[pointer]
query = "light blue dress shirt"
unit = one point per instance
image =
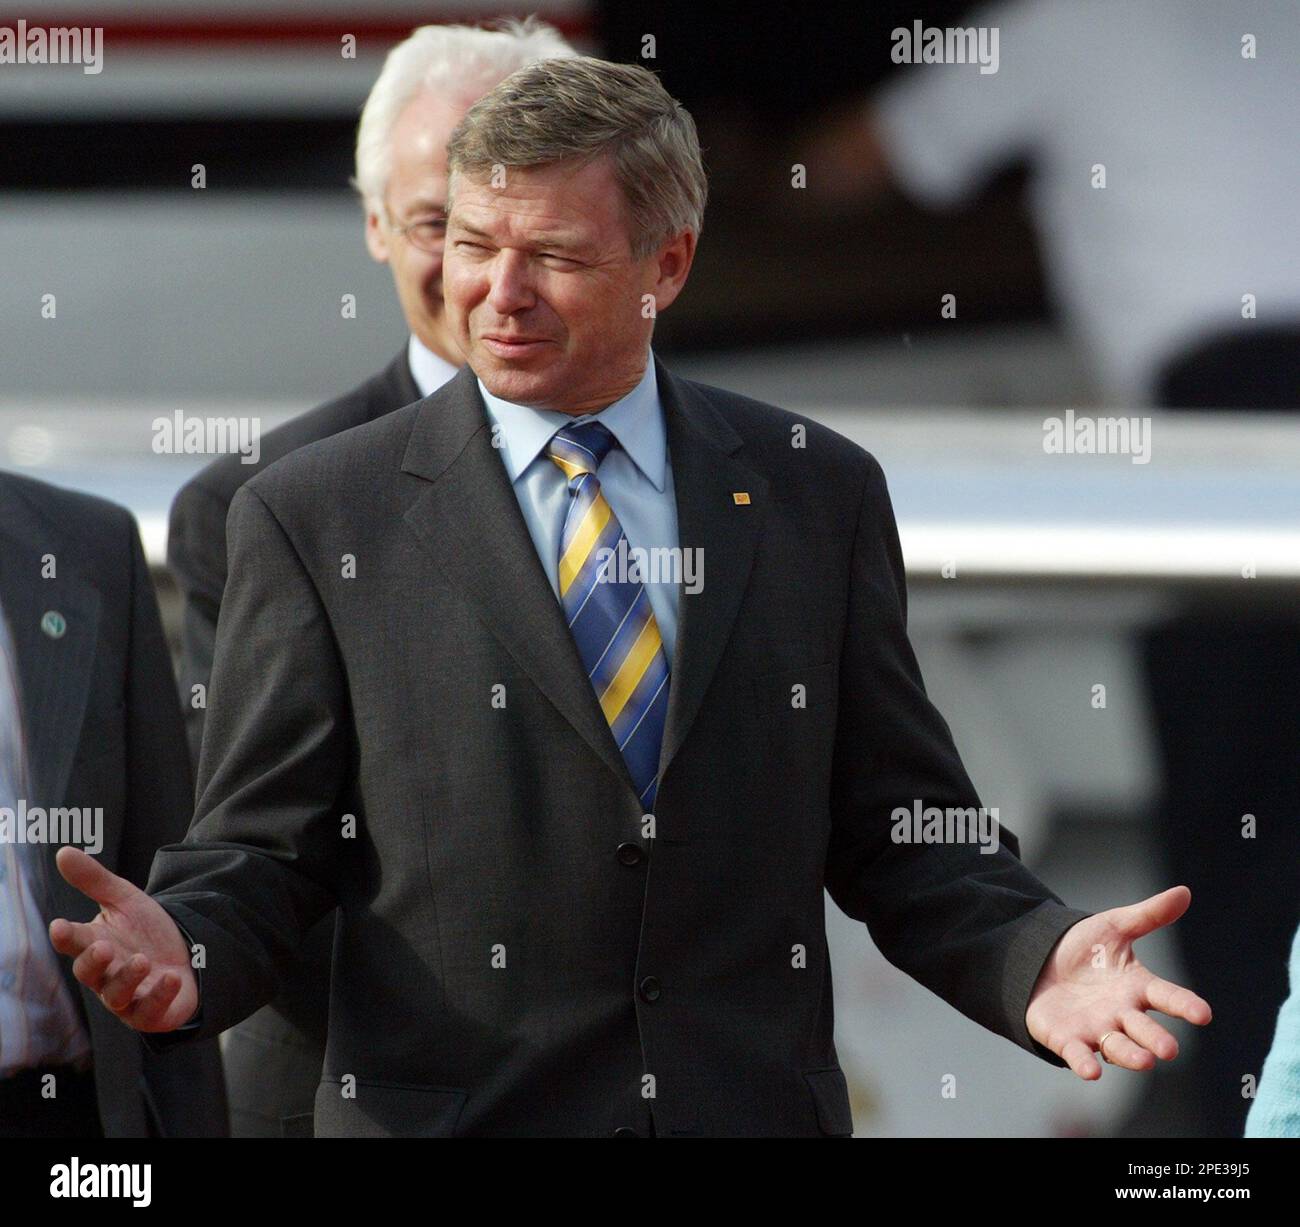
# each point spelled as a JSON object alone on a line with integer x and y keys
{"x": 636, "y": 478}
{"x": 1276, "y": 1110}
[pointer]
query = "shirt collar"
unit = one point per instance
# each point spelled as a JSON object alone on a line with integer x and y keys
{"x": 429, "y": 370}
{"x": 635, "y": 420}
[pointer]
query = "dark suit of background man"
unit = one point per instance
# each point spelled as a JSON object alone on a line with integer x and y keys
{"x": 88, "y": 719}
{"x": 273, "y": 1060}
{"x": 578, "y": 826}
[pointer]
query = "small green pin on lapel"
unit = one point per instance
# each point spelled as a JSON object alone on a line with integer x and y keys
{"x": 54, "y": 623}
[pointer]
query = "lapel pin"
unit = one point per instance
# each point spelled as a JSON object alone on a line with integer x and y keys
{"x": 53, "y": 623}
{"x": 741, "y": 498}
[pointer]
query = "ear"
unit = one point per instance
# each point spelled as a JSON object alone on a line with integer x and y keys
{"x": 376, "y": 237}
{"x": 671, "y": 266}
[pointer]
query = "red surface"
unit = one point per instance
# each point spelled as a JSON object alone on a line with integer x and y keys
{"x": 166, "y": 30}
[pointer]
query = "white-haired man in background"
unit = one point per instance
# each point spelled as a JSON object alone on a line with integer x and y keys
{"x": 273, "y": 1059}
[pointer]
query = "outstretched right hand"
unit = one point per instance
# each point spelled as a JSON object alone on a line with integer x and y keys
{"x": 132, "y": 954}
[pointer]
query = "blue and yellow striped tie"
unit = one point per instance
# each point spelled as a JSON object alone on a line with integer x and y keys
{"x": 610, "y": 616}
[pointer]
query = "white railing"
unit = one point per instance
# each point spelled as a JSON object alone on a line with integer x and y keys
{"x": 974, "y": 491}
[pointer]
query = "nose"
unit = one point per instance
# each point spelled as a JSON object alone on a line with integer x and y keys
{"x": 510, "y": 284}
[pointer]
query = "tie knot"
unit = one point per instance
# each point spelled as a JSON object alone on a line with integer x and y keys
{"x": 580, "y": 449}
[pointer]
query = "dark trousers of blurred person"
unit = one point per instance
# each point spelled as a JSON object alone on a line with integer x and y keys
{"x": 72, "y": 1113}
{"x": 1225, "y": 687}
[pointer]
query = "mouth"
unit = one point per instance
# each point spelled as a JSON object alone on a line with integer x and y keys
{"x": 513, "y": 347}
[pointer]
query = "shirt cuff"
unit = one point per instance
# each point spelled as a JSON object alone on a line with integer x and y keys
{"x": 197, "y": 1020}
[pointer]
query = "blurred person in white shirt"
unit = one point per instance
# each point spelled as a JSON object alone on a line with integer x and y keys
{"x": 1178, "y": 279}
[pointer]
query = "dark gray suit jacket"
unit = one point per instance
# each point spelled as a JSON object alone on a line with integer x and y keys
{"x": 518, "y": 951}
{"x": 104, "y": 730}
{"x": 274, "y": 1058}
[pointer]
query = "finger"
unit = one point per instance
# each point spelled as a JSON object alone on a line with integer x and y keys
{"x": 118, "y": 982}
{"x": 1079, "y": 1057}
{"x": 1139, "y": 919}
{"x": 71, "y": 937}
{"x": 81, "y": 870}
{"x": 119, "y": 989}
{"x": 1144, "y": 1030}
{"x": 92, "y": 964}
{"x": 1120, "y": 1050}
{"x": 146, "y": 1013}
{"x": 1176, "y": 1001}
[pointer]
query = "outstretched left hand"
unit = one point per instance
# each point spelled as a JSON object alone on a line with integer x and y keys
{"x": 1093, "y": 987}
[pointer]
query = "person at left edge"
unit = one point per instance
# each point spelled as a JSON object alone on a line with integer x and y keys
{"x": 88, "y": 721}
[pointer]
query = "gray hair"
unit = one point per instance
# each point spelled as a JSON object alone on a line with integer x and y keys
{"x": 584, "y": 108}
{"x": 456, "y": 60}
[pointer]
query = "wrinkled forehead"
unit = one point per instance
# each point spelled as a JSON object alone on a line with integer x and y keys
{"x": 581, "y": 200}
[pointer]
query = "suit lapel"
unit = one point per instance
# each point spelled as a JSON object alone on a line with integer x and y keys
{"x": 706, "y": 474}
{"x": 54, "y": 672}
{"x": 469, "y": 522}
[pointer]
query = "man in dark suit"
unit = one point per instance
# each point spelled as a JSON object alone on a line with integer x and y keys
{"x": 91, "y": 743}
{"x": 273, "y": 1060}
{"x": 577, "y": 814}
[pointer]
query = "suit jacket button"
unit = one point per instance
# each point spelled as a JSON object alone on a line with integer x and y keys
{"x": 649, "y": 988}
{"x": 623, "y": 1131}
{"x": 629, "y": 854}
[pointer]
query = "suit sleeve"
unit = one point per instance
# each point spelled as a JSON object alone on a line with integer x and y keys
{"x": 196, "y": 556}
{"x": 185, "y": 1088}
{"x": 974, "y": 928}
{"x": 259, "y": 866}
